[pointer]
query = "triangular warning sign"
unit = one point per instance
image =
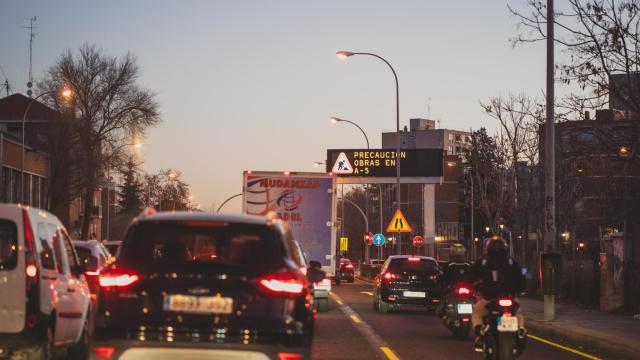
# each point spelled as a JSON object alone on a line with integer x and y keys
{"x": 399, "y": 223}
{"x": 342, "y": 165}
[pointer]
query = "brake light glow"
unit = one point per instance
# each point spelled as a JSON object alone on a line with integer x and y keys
{"x": 104, "y": 352}
{"x": 118, "y": 279}
{"x": 505, "y": 302}
{"x": 463, "y": 291}
{"x": 282, "y": 283}
{"x": 389, "y": 276}
{"x": 92, "y": 273}
{"x": 31, "y": 270}
{"x": 414, "y": 259}
{"x": 289, "y": 356}
{"x": 349, "y": 266}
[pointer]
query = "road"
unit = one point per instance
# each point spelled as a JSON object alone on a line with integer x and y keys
{"x": 352, "y": 330}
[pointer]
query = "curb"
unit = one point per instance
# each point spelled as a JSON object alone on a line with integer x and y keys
{"x": 604, "y": 348}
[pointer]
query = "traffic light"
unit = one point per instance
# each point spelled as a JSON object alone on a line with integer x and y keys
{"x": 368, "y": 238}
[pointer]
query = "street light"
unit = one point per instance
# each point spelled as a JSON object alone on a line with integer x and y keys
{"x": 66, "y": 94}
{"x": 345, "y": 54}
{"x": 335, "y": 120}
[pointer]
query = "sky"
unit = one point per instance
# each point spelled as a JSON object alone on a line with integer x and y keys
{"x": 250, "y": 85}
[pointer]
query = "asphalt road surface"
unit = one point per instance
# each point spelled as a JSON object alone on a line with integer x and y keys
{"x": 352, "y": 330}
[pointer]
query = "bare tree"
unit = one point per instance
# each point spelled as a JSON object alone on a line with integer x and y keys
{"x": 601, "y": 39}
{"x": 108, "y": 107}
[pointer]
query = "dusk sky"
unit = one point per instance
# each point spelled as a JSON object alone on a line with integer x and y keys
{"x": 252, "y": 84}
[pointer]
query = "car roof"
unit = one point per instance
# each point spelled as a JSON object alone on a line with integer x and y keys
{"x": 200, "y": 216}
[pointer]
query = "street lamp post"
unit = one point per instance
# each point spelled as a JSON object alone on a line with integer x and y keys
{"x": 345, "y": 54}
{"x": 66, "y": 93}
{"x": 336, "y": 120}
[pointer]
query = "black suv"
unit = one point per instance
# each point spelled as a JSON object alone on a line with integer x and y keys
{"x": 407, "y": 280}
{"x": 204, "y": 286}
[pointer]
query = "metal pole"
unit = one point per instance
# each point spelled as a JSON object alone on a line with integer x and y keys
{"x": 472, "y": 239}
{"x": 108, "y": 200}
{"x": 549, "y": 188}
{"x": 395, "y": 76}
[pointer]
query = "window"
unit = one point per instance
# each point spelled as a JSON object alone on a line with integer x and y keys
{"x": 68, "y": 247}
{"x": 8, "y": 245}
{"x": 47, "y": 260}
{"x": 87, "y": 258}
{"x": 58, "y": 247}
{"x": 404, "y": 265}
{"x": 450, "y": 137}
{"x": 251, "y": 247}
{"x": 450, "y": 149}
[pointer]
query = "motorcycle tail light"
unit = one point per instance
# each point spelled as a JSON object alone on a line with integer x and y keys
{"x": 463, "y": 291}
{"x": 505, "y": 302}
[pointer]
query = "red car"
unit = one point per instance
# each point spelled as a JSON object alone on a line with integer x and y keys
{"x": 346, "y": 270}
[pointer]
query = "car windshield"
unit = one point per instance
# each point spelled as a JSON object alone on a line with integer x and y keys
{"x": 419, "y": 266}
{"x": 250, "y": 247}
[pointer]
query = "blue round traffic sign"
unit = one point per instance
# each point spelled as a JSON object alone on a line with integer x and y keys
{"x": 378, "y": 239}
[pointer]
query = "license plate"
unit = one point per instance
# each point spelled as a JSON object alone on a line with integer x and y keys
{"x": 415, "y": 294}
{"x": 198, "y": 304}
{"x": 465, "y": 308}
{"x": 508, "y": 324}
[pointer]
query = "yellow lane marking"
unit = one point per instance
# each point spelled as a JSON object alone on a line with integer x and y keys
{"x": 389, "y": 353}
{"x": 339, "y": 302}
{"x": 585, "y": 355}
{"x": 366, "y": 293}
{"x": 356, "y": 319}
{"x": 366, "y": 281}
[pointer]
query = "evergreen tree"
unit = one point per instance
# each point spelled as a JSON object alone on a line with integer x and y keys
{"x": 131, "y": 190}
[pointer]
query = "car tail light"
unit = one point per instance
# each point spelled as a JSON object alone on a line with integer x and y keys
{"x": 349, "y": 266}
{"x": 414, "y": 259}
{"x": 119, "y": 278}
{"x": 104, "y": 352}
{"x": 324, "y": 282}
{"x": 463, "y": 291}
{"x": 505, "y": 303}
{"x": 283, "y": 283}
{"x": 30, "y": 267}
{"x": 303, "y": 270}
{"x": 389, "y": 276}
{"x": 92, "y": 273}
{"x": 289, "y": 356}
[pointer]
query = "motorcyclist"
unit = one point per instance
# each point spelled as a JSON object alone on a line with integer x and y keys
{"x": 497, "y": 275}
{"x": 458, "y": 271}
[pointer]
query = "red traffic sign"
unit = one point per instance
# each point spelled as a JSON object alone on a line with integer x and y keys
{"x": 418, "y": 240}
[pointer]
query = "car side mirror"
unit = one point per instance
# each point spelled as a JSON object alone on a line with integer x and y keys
{"x": 314, "y": 275}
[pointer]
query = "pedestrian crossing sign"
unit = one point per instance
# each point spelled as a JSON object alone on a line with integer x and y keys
{"x": 399, "y": 223}
{"x": 342, "y": 165}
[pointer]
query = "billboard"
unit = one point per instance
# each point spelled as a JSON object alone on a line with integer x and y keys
{"x": 304, "y": 201}
{"x": 382, "y": 162}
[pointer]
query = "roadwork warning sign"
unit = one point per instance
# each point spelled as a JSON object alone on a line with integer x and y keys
{"x": 399, "y": 223}
{"x": 342, "y": 165}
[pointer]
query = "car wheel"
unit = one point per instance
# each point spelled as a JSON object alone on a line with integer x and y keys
{"x": 45, "y": 349}
{"x": 351, "y": 280}
{"x": 80, "y": 350}
{"x": 383, "y": 306}
{"x": 375, "y": 304}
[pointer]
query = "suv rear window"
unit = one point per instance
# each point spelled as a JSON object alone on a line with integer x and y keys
{"x": 252, "y": 248}
{"x": 421, "y": 266}
{"x": 86, "y": 257}
{"x": 8, "y": 245}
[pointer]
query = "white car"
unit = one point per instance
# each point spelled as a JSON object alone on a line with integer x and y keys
{"x": 38, "y": 263}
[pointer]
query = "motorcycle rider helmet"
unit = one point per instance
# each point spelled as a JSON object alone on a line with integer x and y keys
{"x": 496, "y": 248}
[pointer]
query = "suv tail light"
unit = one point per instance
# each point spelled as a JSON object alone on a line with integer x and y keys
{"x": 287, "y": 283}
{"x": 389, "y": 276}
{"x": 119, "y": 278}
{"x": 505, "y": 303}
{"x": 463, "y": 291}
{"x": 31, "y": 269}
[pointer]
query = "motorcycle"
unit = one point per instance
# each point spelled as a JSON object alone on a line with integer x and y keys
{"x": 457, "y": 313}
{"x": 503, "y": 339}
